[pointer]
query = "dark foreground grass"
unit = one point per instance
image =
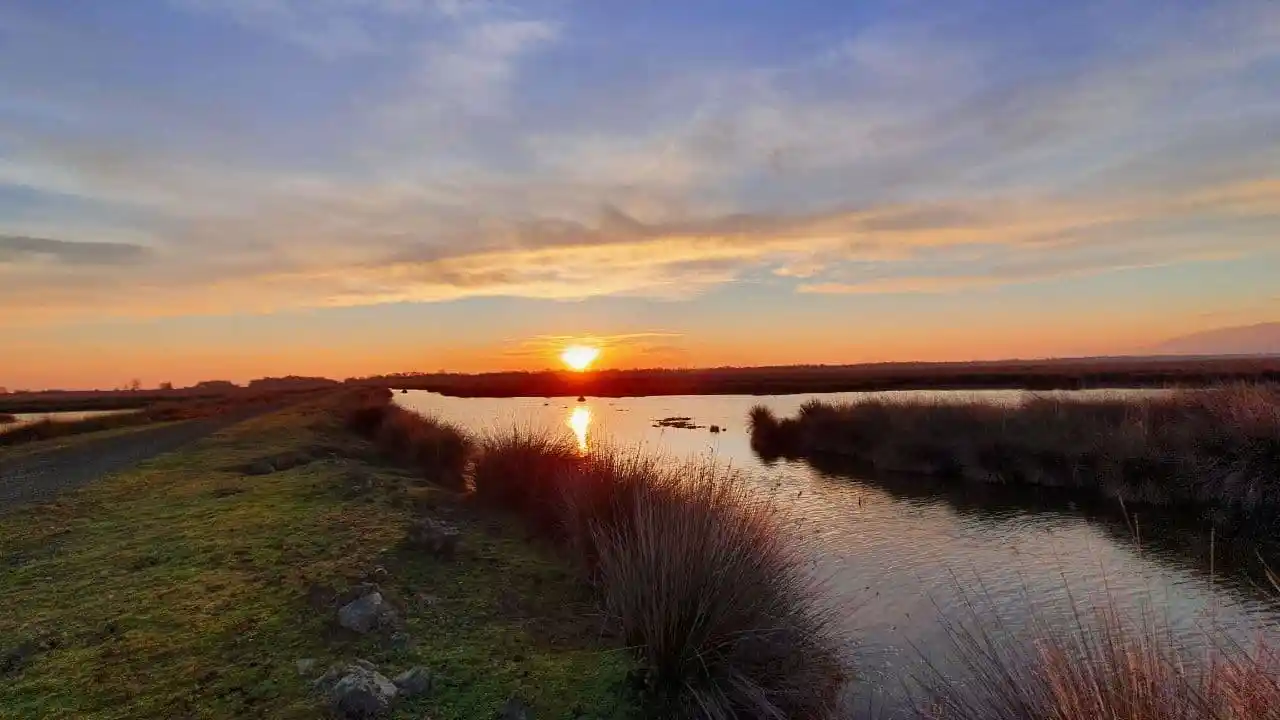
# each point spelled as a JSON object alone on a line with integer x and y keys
{"x": 1216, "y": 448}
{"x": 186, "y": 589}
{"x": 1103, "y": 666}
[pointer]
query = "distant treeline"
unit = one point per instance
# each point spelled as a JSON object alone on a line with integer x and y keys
{"x": 71, "y": 400}
{"x": 1018, "y": 374}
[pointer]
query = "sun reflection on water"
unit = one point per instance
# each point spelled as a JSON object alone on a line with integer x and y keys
{"x": 580, "y": 421}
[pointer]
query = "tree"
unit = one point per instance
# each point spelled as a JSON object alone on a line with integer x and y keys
{"x": 166, "y": 386}
{"x": 134, "y": 385}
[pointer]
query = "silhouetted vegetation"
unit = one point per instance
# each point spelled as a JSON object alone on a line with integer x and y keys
{"x": 137, "y": 398}
{"x": 1217, "y": 448}
{"x": 1102, "y": 666}
{"x": 1069, "y": 374}
{"x": 439, "y": 450}
{"x": 694, "y": 569}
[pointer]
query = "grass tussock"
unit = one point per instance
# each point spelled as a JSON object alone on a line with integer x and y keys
{"x": 693, "y": 568}
{"x": 440, "y": 450}
{"x": 1218, "y": 446}
{"x": 1100, "y": 667}
{"x": 522, "y": 469}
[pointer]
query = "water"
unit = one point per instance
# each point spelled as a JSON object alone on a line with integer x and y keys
{"x": 904, "y": 556}
{"x": 62, "y": 416}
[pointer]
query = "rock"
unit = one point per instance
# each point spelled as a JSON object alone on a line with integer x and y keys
{"x": 305, "y": 665}
{"x": 515, "y": 709}
{"x": 436, "y": 537}
{"x": 414, "y": 681}
{"x": 365, "y": 664}
{"x": 362, "y": 693}
{"x": 366, "y": 613}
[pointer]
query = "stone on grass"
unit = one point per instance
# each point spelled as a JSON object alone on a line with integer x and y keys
{"x": 366, "y": 613}
{"x": 361, "y": 692}
{"x": 414, "y": 681}
{"x": 436, "y": 537}
{"x": 305, "y": 665}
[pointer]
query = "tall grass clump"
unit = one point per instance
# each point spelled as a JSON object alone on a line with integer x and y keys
{"x": 523, "y": 469}
{"x": 1110, "y": 669}
{"x": 700, "y": 578}
{"x": 1218, "y": 447}
{"x": 438, "y": 449}
{"x": 695, "y": 570}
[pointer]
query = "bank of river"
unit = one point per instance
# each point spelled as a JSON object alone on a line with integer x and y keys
{"x": 905, "y": 556}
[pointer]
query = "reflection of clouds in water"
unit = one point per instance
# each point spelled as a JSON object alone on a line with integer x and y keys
{"x": 579, "y": 422}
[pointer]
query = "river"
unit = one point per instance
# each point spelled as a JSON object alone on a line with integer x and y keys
{"x": 904, "y": 557}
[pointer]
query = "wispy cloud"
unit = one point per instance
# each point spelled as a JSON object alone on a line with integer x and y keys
{"x": 464, "y": 161}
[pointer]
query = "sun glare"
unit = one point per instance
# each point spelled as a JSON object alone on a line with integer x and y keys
{"x": 580, "y": 422}
{"x": 579, "y": 357}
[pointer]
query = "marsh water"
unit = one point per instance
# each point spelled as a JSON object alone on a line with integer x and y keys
{"x": 904, "y": 557}
{"x": 22, "y": 419}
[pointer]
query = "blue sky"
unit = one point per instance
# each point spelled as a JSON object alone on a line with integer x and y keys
{"x": 240, "y": 187}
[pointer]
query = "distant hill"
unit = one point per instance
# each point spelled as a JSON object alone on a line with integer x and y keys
{"x": 1261, "y": 339}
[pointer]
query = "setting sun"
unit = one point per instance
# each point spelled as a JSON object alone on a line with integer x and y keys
{"x": 579, "y": 357}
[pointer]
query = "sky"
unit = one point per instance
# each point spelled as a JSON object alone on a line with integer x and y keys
{"x": 197, "y": 189}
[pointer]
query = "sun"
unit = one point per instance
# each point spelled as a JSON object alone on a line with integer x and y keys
{"x": 579, "y": 357}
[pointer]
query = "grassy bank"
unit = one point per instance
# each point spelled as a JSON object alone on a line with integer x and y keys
{"x": 1216, "y": 448}
{"x": 187, "y": 588}
{"x": 693, "y": 569}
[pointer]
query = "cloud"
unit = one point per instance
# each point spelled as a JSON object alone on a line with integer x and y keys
{"x": 656, "y": 347}
{"x": 542, "y": 345}
{"x": 19, "y": 248}
{"x": 478, "y": 161}
{"x": 329, "y": 28}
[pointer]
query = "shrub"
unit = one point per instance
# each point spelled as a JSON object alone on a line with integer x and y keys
{"x": 1218, "y": 447}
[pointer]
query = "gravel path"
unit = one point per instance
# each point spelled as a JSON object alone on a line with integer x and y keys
{"x": 43, "y": 475}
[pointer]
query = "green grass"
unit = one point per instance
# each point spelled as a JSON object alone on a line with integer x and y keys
{"x": 184, "y": 589}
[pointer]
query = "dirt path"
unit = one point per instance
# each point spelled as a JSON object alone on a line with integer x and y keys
{"x": 42, "y": 475}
